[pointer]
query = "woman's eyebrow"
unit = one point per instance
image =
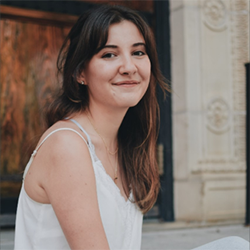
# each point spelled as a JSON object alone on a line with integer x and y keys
{"x": 111, "y": 46}
{"x": 115, "y": 46}
{"x": 139, "y": 44}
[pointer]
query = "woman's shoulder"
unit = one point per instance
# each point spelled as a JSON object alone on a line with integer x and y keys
{"x": 63, "y": 131}
{"x": 62, "y": 139}
{"x": 56, "y": 151}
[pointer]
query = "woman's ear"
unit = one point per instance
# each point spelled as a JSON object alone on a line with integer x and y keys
{"x": 81, "y": 79}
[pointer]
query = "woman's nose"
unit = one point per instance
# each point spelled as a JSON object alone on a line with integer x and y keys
{"x": 128, "y": 66}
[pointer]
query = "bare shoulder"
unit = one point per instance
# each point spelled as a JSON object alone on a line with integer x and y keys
{"x": 62, "y": 142}
{"x": 63, "y": 130}
{"x": 63, "y": 169}
{"x": 64, "y": 153}
{"x": 65, "y": 145}
{"x": 64, "y": 135}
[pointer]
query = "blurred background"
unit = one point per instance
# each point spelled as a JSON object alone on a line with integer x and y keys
{"x": 203, "y": 48}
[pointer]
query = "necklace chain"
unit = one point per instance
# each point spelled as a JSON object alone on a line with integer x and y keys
{"x": 116, "y": 177}
{"x": 107, "y": 149}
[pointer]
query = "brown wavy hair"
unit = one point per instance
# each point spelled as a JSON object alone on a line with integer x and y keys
{"x": 137, "y": 134}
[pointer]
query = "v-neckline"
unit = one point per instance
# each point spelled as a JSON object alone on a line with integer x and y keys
{"x": 125, "y": 199}
{"x": 92, "y": 149}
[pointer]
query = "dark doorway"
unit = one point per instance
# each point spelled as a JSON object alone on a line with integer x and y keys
{"x": 162, "y": 35}
{"x": 247, "y": 222}
{"x": 164, "y": 207}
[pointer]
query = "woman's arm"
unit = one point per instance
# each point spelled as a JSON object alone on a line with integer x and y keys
{"x": 69, "y": 183}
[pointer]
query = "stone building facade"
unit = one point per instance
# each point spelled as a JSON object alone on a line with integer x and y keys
{"x": 209, "y": 47}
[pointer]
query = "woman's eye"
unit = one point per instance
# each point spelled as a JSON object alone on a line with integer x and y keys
{"x": 139, "y": 53}
{"x": 108, "y": 55}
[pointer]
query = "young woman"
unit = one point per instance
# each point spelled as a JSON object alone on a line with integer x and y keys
{"x": 94, "y": 172}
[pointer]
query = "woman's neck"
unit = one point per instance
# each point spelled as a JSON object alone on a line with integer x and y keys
{"x": 104, "y": 122}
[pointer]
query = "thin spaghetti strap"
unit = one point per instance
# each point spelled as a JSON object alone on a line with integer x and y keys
{"x": 51, "y": 133}
{"x": 81, "y": 128}
{"x": 59, "y": 129}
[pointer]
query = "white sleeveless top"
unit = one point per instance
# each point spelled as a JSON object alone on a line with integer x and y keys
{"x": 37, "y": 226}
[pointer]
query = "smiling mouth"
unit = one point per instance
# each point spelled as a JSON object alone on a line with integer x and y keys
{"x": 126, "y": 83}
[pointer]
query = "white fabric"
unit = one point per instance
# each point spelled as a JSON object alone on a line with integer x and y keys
{"x": 37, "y": 226}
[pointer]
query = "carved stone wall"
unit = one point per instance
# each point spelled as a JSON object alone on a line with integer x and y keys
{"x": 210, "y": 44}
{"x": 239, "y": 20}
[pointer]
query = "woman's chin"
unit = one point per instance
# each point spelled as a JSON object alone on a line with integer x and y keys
{"x": 128, "y": 104}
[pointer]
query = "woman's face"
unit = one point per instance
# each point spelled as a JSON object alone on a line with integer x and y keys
{"x": 118, "y": 75}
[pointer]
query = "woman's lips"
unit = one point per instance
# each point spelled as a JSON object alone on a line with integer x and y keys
{"x": 126, "y": 83}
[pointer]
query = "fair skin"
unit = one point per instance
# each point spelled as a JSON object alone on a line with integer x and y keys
{"x": 117, "y": 78}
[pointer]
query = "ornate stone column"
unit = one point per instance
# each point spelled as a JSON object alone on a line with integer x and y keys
{"x": 210, "y": 44}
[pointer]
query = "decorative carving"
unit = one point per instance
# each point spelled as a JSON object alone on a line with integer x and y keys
{"x": 218, "y": 115}
{"x": 214, "y": 13}
{"x": 239, "y": 23}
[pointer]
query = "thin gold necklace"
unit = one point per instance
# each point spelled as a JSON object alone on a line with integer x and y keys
{"x": 107, "y": 150}
{"x": 116, "y": 177}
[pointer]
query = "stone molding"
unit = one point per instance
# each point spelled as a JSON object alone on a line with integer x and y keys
{"x": 239, "y": 25}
